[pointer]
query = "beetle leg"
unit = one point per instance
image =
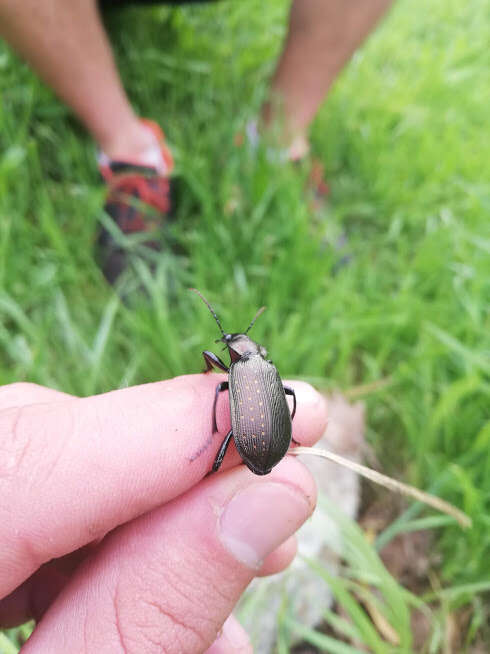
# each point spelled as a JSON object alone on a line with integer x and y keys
{"x": 213, "y": 361}
{"x": 223, "y": 386}
{"x": 290, "y": 391}
{"x": 222, "y": 451}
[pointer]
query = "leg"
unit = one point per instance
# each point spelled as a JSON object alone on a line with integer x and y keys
{"x": 65, "y": 42}
{"x": 222, "y": 451}
{"x": 290, "y": 391}
{"x": 220, "y": 387}
{"x": 213, "y": 361}
{"x": 322, "y": 36}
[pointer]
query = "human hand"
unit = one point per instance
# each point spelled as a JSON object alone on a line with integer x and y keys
{"x": 110, "y": 534}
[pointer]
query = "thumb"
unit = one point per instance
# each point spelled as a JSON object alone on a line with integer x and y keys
{"x": 168, "y": 580}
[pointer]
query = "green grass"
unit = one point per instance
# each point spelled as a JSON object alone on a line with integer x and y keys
{"x": 402, "y": 137}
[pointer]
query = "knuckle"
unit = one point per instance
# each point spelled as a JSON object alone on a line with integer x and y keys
{"x": 14, "y": 443}
{"x": 18, "y": 389}
{"x": 15, "y": 448}
{"x": 25, "y": 393}
{"x": 29, "y": 459}
{"x": 30, "y": 455}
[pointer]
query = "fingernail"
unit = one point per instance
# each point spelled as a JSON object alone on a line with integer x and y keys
{"x": 261, "y": 517}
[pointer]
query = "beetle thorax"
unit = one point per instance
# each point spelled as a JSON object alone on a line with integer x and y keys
{"x": 240, "y": 345}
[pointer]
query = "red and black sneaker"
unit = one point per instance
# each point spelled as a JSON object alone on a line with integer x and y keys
{"x": 317, "y": 187}
{"x": 138, "y": 201}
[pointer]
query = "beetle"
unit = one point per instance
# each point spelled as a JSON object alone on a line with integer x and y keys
{"x": 261, "y": 424}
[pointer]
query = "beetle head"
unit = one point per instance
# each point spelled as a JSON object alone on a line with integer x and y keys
{"x": 240, "y": 345}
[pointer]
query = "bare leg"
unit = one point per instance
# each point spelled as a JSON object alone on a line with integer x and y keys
{"x": 322, "y": 36}
{"x": 65, "y": 42}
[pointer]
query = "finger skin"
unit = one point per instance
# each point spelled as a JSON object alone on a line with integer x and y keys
{"x": 73, "y": 470}
{"x": 280, "y": 558}
{"x": 24, "y": 393}
{"x": 169, "y": 580}
{"x": 32, "y": 598}
{"x": 233, "y": 639}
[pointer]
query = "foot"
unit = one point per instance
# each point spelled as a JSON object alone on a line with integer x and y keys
{"x": 296, "y": 150}
{"x": 317, "y": 188}
{"x": 138, "y": 197}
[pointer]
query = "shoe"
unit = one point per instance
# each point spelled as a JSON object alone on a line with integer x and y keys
{"x": 316, "y": 188}
{"x": 138, "y": 201}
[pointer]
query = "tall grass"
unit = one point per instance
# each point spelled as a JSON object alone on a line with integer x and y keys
{"x": 402, "y": 138}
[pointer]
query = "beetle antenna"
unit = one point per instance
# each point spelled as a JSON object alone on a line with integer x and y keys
{"x": 259, "y": 312}
{"x": 213, "y": 312}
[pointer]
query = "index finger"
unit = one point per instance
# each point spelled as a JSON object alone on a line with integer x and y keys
{"x": 71, "y": 471}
